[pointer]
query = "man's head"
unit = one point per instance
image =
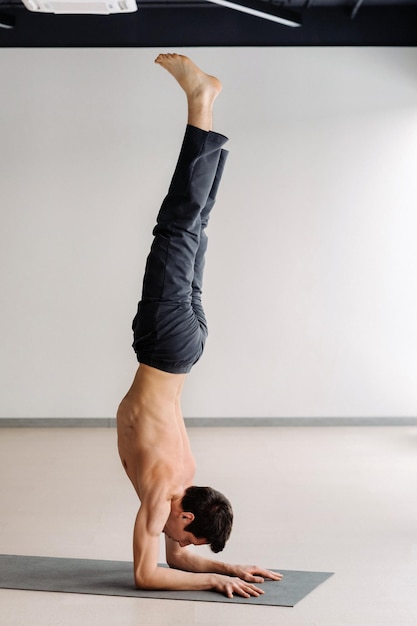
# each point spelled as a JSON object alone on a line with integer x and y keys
{"x": 212, "y": 516}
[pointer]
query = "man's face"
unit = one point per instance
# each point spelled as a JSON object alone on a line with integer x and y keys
{"x": 174, "y": 530}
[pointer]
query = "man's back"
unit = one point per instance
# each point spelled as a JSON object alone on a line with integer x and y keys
{"x": 152, "y": 440}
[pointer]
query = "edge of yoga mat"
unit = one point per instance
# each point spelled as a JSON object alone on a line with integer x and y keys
{"x": 115, "y": 578}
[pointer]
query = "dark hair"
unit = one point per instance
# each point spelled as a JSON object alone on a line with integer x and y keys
{"x": 213, "y": 515}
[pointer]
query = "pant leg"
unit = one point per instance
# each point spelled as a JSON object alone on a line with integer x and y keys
{"x": 170, "y": 265}
{"x": 166, "y": 330}
{"x": 197, "y": 284}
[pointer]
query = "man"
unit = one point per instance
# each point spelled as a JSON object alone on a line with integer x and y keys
{"x": 169, "y": 334}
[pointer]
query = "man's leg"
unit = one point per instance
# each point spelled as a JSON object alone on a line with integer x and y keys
{"x": 166, "y": 329}
{"x": 178, "y": 229}
{"x": 170, "y": 270}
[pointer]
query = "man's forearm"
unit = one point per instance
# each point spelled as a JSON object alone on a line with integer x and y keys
{"x": 190, "y": 562}
{"x": 174, "y": 580}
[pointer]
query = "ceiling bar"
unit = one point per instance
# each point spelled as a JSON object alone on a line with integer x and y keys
{"x": 264, "y": 10}
{"x": 356, "y": 8}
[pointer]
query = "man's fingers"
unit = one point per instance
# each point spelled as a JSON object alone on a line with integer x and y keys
{"x": 250, "y": 578}
{"x": 255, "y": 591}
{"x": 270, "y": 575}
{"x": 240, "y": 592}
{"x": 258, "y": 574}
{"x": 251, "y": 590}
{"x": 244, "y": 590}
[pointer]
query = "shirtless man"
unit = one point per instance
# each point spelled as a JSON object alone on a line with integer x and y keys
{"x": 169, "y": 334}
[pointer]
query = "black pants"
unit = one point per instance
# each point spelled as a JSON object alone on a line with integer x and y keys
{"x": 170, "y": 327}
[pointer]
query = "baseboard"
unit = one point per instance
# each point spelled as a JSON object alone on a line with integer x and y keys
{"x": 210, "y": 422}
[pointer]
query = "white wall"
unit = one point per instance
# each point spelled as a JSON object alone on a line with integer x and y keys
{"x": 311, "y": 273}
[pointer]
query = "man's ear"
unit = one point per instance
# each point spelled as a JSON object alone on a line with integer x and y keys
{"x": 188, "y": 516}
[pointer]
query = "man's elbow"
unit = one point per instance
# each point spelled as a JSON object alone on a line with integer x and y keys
{"x": 173, "y": 562}
{"x": 144, "y": 580}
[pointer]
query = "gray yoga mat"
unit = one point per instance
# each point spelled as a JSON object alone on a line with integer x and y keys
{"x": 115, "y": 578}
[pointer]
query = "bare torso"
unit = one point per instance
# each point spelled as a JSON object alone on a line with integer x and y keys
{"x": 152, "y": 439}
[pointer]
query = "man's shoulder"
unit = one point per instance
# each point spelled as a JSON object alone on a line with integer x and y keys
{"x": 156, "y": 505}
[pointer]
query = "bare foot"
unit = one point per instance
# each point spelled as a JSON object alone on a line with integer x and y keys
{"x": 196, "y": 84}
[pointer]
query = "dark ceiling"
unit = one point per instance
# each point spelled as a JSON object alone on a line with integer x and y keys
{"x": 182, "y": 23}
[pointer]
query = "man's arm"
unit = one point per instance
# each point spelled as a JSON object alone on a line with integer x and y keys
{"x": 149, "y": 524}
{"x": 182, "y": 559}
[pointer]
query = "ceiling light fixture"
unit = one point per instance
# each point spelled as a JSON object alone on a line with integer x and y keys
{"x": 265, "y": 10}
{"x": 88, "y": 7}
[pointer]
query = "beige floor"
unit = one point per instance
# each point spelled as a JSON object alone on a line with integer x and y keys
{"x": 330, "y": 499}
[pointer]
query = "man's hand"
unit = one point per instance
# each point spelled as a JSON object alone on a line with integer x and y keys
{"x": 254, "y": 574}
{"x": 228, "y": 586}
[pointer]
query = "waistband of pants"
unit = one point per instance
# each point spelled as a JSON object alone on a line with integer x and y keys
{"x": 167, "y": 366}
